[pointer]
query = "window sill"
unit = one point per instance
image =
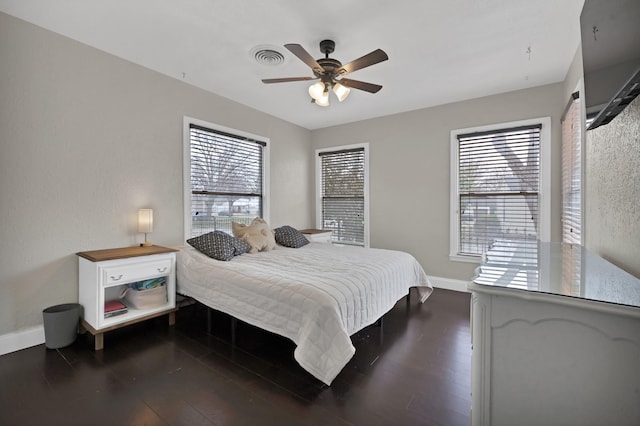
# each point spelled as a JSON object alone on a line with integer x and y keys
{"x": 463, "y": 258}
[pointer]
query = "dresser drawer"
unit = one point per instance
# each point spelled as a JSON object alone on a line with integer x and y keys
{"x": 123, "y": 274}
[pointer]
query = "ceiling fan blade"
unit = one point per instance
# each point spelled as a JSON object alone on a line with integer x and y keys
{"x": 361, "y": 85}
{"x": 305, "y": 57}
{"x": 286, "y": 79}
{"x": 367, "y": 60}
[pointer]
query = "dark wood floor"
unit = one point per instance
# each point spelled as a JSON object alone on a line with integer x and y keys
{"x": 149, "y": 373}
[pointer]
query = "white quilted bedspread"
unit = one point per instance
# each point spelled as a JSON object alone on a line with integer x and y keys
{"x": 317, "y": 295}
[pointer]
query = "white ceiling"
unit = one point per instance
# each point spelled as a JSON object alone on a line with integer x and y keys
{"x": 439, "y": 51}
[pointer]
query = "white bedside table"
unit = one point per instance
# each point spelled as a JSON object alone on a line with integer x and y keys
{"x": 103, "y": 274}
{"x": 317, "y": 235}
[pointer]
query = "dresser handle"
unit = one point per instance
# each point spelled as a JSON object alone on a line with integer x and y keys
{"x": 116, "y": 279}
{"x": 162, "y": 270}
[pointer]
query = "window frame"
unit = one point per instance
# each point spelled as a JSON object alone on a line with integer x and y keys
{"x": 186, "y": 167}
{"x": 544, "y": 193}
{"x": 574, "y": 148}
{"x": 318, "y": 173}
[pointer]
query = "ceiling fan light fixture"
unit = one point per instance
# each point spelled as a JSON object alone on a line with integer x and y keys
{"x": 331, "y": 72}
{"x": 341, "y": 91}
{"x": 316, "y": 90}
{"x": 323, "y": 100}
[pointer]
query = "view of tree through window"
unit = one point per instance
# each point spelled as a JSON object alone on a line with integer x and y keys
{"x": 342, "y": 192}
{"x": 226, "y": 179}
{"x": 499, "y": 173}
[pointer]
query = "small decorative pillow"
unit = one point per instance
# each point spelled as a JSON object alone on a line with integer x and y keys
{"x": 290, "y": 237}
{"x": 258, "y": 235}
{"x": 219, "y": 245}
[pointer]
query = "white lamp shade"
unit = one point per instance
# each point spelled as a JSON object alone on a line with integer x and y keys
{"x": 323, "y": 100}
{"x": 145, "y": 220}
{"x": 316, "y": 90}
{"x": 341, "y": 91}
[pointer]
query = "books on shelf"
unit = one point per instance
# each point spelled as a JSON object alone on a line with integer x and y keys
{"x": 148, "y": 284}
{"x": 114, "y": 307}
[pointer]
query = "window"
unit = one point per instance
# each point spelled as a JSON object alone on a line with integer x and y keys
{"x": 224, "y": 178}
{"x": 500, "y": 184}
{"x": 571, "y": 172}
{"x": 343, "y": 194}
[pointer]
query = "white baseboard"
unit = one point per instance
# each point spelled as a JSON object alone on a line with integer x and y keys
{"x": 22, "y": 339}
{"x": 449, "y": 284}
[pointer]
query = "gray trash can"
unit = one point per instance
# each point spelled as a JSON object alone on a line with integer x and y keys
{"x": 61, "y": 324}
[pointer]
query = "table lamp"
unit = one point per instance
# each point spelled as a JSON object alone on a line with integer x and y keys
{"x": 145, "y": 224}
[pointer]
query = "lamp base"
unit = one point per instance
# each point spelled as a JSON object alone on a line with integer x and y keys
{"x": 146, "y": 244}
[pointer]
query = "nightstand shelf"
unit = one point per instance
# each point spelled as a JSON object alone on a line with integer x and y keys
{"x": 104, "y": 274}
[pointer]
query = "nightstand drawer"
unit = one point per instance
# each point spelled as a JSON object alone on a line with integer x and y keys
{"x": 317, "y": 235}
{"x": 123, "y": 274}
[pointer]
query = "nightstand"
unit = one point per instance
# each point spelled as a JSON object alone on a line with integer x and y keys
{"x": 104, "y": 274}
{"x": 317, "y": 235}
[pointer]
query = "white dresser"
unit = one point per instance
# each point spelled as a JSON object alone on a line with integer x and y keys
{"x": 555, "y": 341}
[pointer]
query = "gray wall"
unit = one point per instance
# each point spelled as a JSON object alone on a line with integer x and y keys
{"x": 87, "y": 139}
{"x": 410, "y": 169}
{"x": 574, "y": 79}
{"x": 612, "y": 204}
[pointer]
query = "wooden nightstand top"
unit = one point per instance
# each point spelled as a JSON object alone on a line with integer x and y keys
{"x": 123, "y": 252}
{"x": 314, "y": 231}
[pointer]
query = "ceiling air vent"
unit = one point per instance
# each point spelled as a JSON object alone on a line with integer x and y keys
{"x": 267, "y": 55}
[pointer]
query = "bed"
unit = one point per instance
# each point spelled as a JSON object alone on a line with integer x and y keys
{"x": 317, "y": 295}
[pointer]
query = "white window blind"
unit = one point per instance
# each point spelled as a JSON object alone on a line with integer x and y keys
{"x": 571, "y": 172}
{"x": 342, "y": 188}
{"x": 498, "y": 192}
{"x": 226, "y": 179}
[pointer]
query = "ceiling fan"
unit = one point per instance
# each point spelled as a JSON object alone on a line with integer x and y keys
{"x": 331, "y": 72}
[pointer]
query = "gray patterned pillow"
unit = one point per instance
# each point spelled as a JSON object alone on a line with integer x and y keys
{"x": 290, "y": 237}
{"x": 240, "y": 245}
{"x": 219, "y": 245}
